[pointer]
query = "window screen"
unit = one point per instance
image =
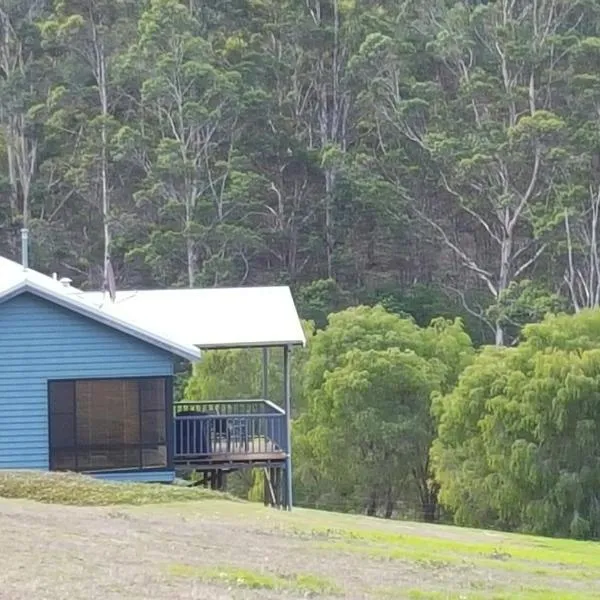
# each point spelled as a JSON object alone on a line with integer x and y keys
{"x": 108, "y": 424}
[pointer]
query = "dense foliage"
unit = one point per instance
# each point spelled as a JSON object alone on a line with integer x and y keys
{"x": 442, "y": 145}
{"x": 393, "y": 419}
{"x": 519, "y": 436}
{"x": 363, "y": 442}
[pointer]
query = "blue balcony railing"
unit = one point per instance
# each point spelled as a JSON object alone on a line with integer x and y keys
{"x": 228, "y": 430}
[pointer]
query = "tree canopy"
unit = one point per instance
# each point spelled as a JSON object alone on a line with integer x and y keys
{"x": 518, "y": 438}
{"x": 388, "y": 147}
{"x": 363, "y": 442}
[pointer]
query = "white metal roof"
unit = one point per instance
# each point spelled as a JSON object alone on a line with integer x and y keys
{"x": 213, "y": 317}
{"x": 14, "y": 280}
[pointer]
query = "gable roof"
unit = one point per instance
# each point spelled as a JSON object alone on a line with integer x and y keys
{"x": 15, "y": 280}
{"x": 214, "y": 317}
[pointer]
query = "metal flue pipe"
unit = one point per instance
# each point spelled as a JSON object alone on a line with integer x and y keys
{"x": 25, "y": 248}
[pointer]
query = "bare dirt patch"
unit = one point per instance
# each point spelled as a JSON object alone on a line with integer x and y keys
{"x": 52, "y": 552}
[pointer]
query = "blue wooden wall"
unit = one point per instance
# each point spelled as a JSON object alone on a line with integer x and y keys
{"x": 41, "y": 341}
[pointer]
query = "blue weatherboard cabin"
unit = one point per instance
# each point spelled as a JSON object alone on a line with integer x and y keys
{"x": 80, "y": 389}
{"x": 86, "y": 382}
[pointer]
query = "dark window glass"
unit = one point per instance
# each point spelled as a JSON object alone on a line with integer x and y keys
{"x": 107, "y": 412}
{"x": 63, "y": 397}
{"x": 154, "y": 427}
{"x": 63, "y": 460}
{"x": 152, "y": 393}
{"x": 108, "y": 424}
{"x": 108, "y": 458}
{"x": 62, "y": 430}
{"x": 154, "y": 457}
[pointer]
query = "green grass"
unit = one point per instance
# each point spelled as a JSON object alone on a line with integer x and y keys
{"x": 303, "y": 583}
{"x": 519, "y": 552}
{"x": 441, "y": 554}
{"x": 81, "y": 490}
{"x": 550, "y": 568}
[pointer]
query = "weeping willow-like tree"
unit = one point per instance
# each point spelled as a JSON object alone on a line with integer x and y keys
{"x": 518, "y": 439}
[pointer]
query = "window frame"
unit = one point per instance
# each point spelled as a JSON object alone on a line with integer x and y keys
{"x": 75, "y": 448}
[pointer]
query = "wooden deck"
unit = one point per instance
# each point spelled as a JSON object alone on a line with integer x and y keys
{"x": 229, "y": 462}
{"x": 258, "y": 450}
{"x": 228, "y": 434}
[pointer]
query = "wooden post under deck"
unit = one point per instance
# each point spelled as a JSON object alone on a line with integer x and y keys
{"x": 273, "y": 493}
{"x": 265, "y": 487}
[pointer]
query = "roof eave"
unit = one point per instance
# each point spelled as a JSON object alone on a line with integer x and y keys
{"x": 188, "y": 352}
{"x": 13, "y": 291}
{"x": 266, "y": 344}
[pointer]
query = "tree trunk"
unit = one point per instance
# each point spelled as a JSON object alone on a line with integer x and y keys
{"x": 499, "y": 335}
{"x": 27, "y": 156}
{"x": 12, "y": 175}
{"x": 100, "y": 67}
{"x": 389, "y": 503}
{"x": 504, "y": 278}
{"x": 332, "y": 116}
{"x": 21, "y": 152}
{"x": 371, "y": 510}
{"x": 190, "y": 245}
{"x": 430, "y": 506}
{"x": 329, "y": 240}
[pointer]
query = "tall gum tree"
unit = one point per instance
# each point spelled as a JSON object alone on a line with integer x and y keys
{"x": 332, "y": 99}
{"x": 183, "y": 139}
{"x": 22, "y": 84}
{"x": 485, "y": 127}
{"x": 308, "y": 47}
{"x": 279, "y": 142}
{"x": 579, "y": 250}
{"x": 90, "y": 34}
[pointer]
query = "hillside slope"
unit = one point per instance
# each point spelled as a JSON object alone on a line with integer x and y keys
{"x": 216, "y": 548}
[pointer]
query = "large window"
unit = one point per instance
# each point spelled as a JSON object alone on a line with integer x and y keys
{"x": 108, "y": 424}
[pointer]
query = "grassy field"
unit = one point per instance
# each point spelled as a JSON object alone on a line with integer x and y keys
{"x": 140, "y": 541}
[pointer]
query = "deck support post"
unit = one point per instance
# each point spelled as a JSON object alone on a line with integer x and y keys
{"x": 265, "y": 374}
{"x": 270, "y": 487}
{"x": 287, "y": 379}
{"x": 265, "y": 487}
{"x": 280, "y": 493}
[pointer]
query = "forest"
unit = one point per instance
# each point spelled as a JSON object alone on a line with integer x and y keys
{"x": 424, "y": 174}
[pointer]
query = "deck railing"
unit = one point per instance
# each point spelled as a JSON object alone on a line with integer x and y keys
{"x": 231, "y": 407}
{"x": 228, "y": 430}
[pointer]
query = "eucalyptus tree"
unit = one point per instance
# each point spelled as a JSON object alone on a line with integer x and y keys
{"x": 88, "y": 35}
{"x": 22, "y": 90}
{"x": 484, "y": 128}
{"x": 183, "y": 137}
{"x": 580, "y": 251}
{"x": 306, "y": 49}
{"x": 329, "y": 22}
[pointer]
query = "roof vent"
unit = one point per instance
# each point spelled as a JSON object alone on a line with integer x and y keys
{"x": 66, "y": 281}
